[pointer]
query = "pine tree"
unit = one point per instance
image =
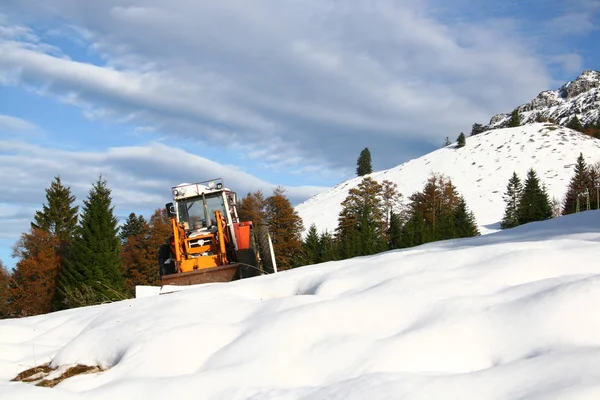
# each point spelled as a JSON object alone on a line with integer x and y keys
{"x": 327, "y": 248}
{"x": 579, "y": 182}
{"x": 477, "y": 129}
{"x": 94, "y": 266}
{"x": 461, "y": 140}
{"x": 285, "y": 227}
{"x": 394, "y": 232}
{"x": 464, "y": 221}
{"x": 363, "y": 163}
{"x": 515, "y": 119}
{"x": 5, "y": 280}
{"x": 447, "y": 142}
{"x": 58, "y": 217}
{"x": 534, "y": 204}
{"x": 512, "y": 197}
{"x": 252, "y": 208}
{"x": 132, "y": 227}
{"x": 311, "y": 246}
{"x": 575, "y": 124}
{"x": 33, "y": 283}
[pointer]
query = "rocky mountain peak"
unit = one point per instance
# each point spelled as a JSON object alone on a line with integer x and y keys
{"x": 579, "y": 97}
{"x": 585, "y": 82}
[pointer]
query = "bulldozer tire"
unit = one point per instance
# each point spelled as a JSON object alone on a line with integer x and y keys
{"x": 248, "y": 263}
{"x": 164, "y": 254}
{"x": 266, "y": 256}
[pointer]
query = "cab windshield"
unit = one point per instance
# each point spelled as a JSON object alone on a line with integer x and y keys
{"x": 193, "y": 215}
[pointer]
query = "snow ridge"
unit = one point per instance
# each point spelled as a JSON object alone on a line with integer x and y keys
{"x": 480, "y": 171}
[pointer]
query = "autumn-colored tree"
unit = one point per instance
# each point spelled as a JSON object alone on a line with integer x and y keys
{"x": 139, "y": 251}
{"x": 5, "y": 279}
{"x": 33, "y": 283}
{"x": 285, "y": 227}
{"x": 434, "y": 213}
{"x": 252, "y": 208}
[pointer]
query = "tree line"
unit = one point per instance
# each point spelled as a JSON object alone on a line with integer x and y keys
{"x": 71, "y": 257}
{"x": 530, "y": 201}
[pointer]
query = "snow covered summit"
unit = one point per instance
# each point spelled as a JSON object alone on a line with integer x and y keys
{"x": 480, "y": 171}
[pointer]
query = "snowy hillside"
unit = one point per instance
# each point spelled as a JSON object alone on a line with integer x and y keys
{"x": 580, "y": 97}
{"x": 480, "y": 171}
{"x": 511, "y": 315}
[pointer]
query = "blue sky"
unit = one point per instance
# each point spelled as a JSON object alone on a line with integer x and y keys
{"x": 264, "y": 93}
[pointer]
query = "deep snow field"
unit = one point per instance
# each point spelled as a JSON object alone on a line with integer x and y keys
{"x": 509, "y": 315}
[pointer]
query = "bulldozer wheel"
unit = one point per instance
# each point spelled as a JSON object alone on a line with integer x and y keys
{"x": 266, "y": 256}
{"x": 164, "y": 253}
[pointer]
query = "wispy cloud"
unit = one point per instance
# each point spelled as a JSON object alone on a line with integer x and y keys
{"x": 15, "y": 125}
{"x": 269, "y": 74}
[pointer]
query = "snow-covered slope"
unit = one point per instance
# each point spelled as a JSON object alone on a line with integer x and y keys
{"x": 480, "y": 171}
{"x": 580, "y": 97}
{"x": 511, "y": 315}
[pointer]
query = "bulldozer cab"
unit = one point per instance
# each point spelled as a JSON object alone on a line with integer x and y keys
{"x": 198, "y": 213}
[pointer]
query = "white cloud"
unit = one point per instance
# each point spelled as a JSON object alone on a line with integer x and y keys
{"x": 267, "y": 74}
{"x": 140, "y": 178}
{"x": 13, "y": 124}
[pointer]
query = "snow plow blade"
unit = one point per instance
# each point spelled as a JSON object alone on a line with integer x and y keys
{"x": 223, "y": 273}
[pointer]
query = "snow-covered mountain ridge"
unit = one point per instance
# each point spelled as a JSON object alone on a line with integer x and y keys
{"x": 580, "y": 97}
{"x": 480, "y": 171}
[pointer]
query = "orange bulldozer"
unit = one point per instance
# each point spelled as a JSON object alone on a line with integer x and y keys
{"x": 209, "y": 243}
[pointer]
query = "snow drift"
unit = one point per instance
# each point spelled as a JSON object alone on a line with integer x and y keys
{"x": 510, "y": 315}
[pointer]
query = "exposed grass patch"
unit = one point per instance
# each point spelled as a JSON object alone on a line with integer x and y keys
{"x": 38, "y": 374}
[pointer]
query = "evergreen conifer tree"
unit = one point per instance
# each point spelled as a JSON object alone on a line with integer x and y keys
{"x": 575, "y": 124}
{"x": 311, "y": 246}
{"x": 327, "y": 247}
{"x": 461, "y": 140}
{"x": 477, "y": 129}
{"x": 58, "y": 216}
{"x": 93, "y": 270}
{"x": 394, "y": 233}
{"x": 447, "y": 142}
{"x": 363, "y": 163}
{"x": 515, "y": 119}
{"x": 534, "y": 204}
{"x": 579, "y": 182}
{"x": 464, "y": 221}
{"x": 512, "y": 196}
{"x": 134, "y": 225}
